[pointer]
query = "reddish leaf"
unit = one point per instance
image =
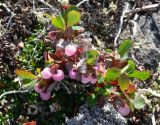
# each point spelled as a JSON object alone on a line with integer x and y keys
{"x": 49, "y": 56}
{"x": 131, "y": 88}
{"x": 119, "y": 63}
{"x": 115, "y": 82}
{"x": 68, "y": 33}
{"x": 101, "y": 101}
{"x": 123, "y": 82}
{"x": 1, "y": 85}
{"x": 59, "y": 53}
{"x": 30, "y": 123}
{"x": 53, "y": 35}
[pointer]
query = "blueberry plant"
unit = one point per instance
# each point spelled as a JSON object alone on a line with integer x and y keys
{"x": 96, "y": 74}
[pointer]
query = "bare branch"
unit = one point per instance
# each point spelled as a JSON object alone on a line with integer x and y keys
{"x": 153, "y": 119}
{"x": 154, "y": 93}
{"x": 82, "y": 2}
{"x": 13, "y": 92}
{"x": 48, "y": 5}
{"x": 10, "y": 19}
{"x": 145, "y": 8}
{"x": 121, "y": 23}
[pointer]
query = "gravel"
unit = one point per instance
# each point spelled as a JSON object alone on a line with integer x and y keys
{"x": 97, "y": 116}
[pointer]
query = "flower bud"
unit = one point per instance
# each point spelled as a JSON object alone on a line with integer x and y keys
{"x": 45, "y": 95}
{"x": 46, "y": 74}
{"x": 58, "y": 76}
{"x": 72, "y": 74}
{"x": 38, "y": 89}
{"x": 53, "y": 35}
{"x": 124, "y": 111}
{"x": 85, "y": 79}
{"x": 70, "y": 50}
{"x": 92, "y": 79}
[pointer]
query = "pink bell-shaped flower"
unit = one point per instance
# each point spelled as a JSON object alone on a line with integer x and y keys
{"x": 70, "y": 50}
{"x": 85, "y": 79}
{"x": 58, "y": 76}
{"x": 45, "y": 95}
{"x": 46, "y": 74}
{"x": 92, "y": 79}
{"x": 72, "y": 74}
{"x": 38, "y": 89}
{"x": 124, "y": 111}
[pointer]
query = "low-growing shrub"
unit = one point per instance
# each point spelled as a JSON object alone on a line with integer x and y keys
{"x": 78, "y": 72}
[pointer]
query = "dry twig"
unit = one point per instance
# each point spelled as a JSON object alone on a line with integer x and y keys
{"x": 145, "y": 8}
{"x": 12, "y": 14}
{"x": 13, "y": 92}
{"x": 48, "y": 5}
{"x": 82, "y": 2}
{"x": 154, "y": 93}
{"x": 121, "y": 24}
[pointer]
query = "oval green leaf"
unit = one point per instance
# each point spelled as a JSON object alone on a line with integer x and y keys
{"x": 112, "y": 74}
{"x": 132, "y": 66}
{"x": 91, "y": 61}
{"x": 73, "y": 17}
{"x": 25, "y": 74}
{"x": 142, "y": 75}
{"x": 138, "y": 102}
{"x": 58, "y": 22}
{"x": 124, "y": 48}
{"x": 123, "y": 81}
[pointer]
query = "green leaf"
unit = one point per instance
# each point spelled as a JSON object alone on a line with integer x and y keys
{"x": 142, "y": 75}
{"x": 112, "y": 74}
{"x": 92, "y": 53}
{"x": 73, "y": 17}
{"x": 108, "y": 50}
{"x": 125, "y": 56}
{"x": 92, "y": 99}
{"x": 100, "y": 79}
{"x": 124, "y": 47}
{"x": 132, "y": 66}
{"x": 71, "y": 8}
{"x": 100, "y": 91}
{"x": 130, "y": 103}
{"x": 30, "y": 85}
{"x": 124, "y": 69}
{"x": 58, "y": 22}
{"x": 25, "y": 74}
{"x": 91, "y": 61}
{"x": 123, "y": 81}
{"x": 138, "y": 102}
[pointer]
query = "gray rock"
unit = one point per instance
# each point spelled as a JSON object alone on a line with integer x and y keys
{"x": 97, "y": 116}
{"x": 147, "y": 39}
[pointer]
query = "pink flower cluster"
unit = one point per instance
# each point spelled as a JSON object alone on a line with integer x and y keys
{"x": 57, "y": 74}
{"x": 46, "y": 74}
{"x": 45, "y": 95}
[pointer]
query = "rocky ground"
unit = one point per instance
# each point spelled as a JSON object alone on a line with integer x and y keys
{"x": 101, "y": 19}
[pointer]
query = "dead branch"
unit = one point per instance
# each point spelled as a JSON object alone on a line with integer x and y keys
{"x": 13, "y": 92}
{"x": 121, "y": 24}
{"x": 48, "y": 5}
{"x": 82, "y": 2}
{"x": 154, "y": 93}
{"x": 145, "y": 8}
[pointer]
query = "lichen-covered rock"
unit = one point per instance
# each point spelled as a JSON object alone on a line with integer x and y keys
{"x": 97, "y": 116}
{"x": 146, "y": 40}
